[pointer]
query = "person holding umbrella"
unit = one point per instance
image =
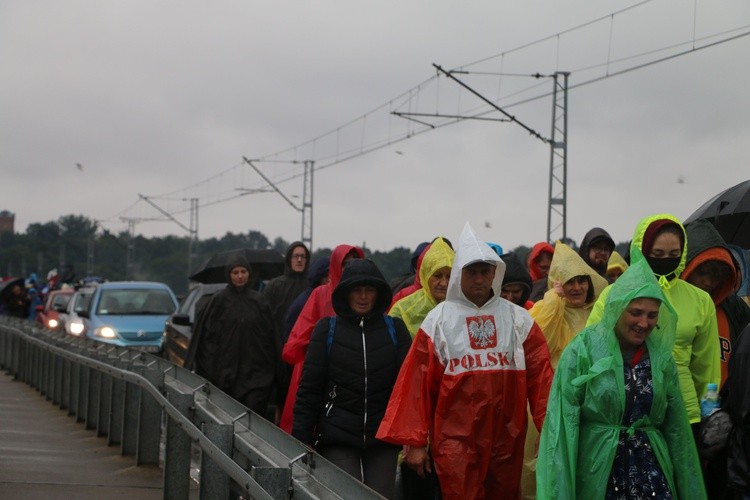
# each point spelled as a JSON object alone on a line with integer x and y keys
{"x": 234, "y": 341}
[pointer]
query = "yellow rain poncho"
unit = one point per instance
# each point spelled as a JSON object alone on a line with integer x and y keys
{"x": 559, "y": 322}
{"x": 587, "y": 405}
{"x": 413, "y": 308}
{"x": 616, "y": 262}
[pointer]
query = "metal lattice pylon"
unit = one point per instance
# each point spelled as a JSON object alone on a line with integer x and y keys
{"x": 558, "y": 163}
{"x": 307, "y": 205}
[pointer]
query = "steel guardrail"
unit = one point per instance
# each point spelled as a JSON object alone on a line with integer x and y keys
{"x": 160, "y": 413}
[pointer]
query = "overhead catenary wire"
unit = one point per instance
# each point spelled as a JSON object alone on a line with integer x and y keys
{"x": 370, "y": 141}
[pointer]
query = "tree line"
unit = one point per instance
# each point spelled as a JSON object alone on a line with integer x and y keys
{"x": 78, "y": 242}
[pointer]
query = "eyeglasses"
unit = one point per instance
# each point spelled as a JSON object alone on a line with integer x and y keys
{"x": 299, "y": 256}
{"x": 601, "y": 249}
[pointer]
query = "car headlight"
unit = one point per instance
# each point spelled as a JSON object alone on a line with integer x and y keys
{"x": 106, "y": 332}
{"x": 76, "y": 328}
{"x": 52, "y": 323}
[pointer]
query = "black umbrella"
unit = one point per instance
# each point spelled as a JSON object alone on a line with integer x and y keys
{"x": 265, "y": 264}
{"x": 729, "y": 212}
{"x": 7, "y": 285}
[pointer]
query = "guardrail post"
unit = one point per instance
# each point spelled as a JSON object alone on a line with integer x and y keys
{"x": 214, "y": 481}
{"x": 131, "y": 404}
{"x": 56, "y": 378}
{"x": 92, "y": 398}
{"x": 83, "y": 393}
{"x": 33, "y": 354}
{"x": 149, "y": 421}
{"x": 177, "y": 451}
{"x": 67, "y": 373}
{"x": 74, "y": 383}
{"x": 105, "y": 405}
{"x": 42, "y": 378}
{"x": 117, "y": 403}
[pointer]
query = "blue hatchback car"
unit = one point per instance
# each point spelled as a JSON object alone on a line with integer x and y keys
{"x": 129, "y": 314}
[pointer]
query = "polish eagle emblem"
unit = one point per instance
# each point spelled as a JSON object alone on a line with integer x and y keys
{"x": 482, "y": 332}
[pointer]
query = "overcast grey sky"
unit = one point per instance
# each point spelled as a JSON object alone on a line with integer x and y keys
{"x": 152, "y": 97}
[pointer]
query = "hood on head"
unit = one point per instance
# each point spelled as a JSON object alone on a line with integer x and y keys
{"x": 336, "y": 262}
{"x": 616, "y": 262}
{"x": 594, "y": 236}
{"x": 420, "y": 258}
{"x": 640, "y": 231}
{"x": 567, "y": 264}
{"x": 515, "y": 272}
{"x": 470, "y": 250}
{"x": 706, "y": 244}
{"x": 638, "y": 281}
{"x": 541, "y": 247}
{"x": 317, "y": 271}
{"x": 361, "y": 272}
{"x": 416, "y": 255}
{"x": 437, "y": 256}
{"x": 237, "y": 261}
{"x": 288, "y": 258}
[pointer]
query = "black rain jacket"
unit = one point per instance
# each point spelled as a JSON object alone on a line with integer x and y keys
{"x": 344, "y": 392}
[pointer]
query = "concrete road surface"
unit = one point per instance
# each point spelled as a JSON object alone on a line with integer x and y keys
{"x": 44, "y": 453}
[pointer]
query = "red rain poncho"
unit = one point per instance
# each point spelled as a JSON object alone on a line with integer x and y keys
{"x": 465, "y": 384}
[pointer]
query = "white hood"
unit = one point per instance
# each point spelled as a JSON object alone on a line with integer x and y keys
{"x": 469, "y": 250}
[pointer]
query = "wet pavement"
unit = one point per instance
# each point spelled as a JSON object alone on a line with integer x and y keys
{"x": 45, "y": 453}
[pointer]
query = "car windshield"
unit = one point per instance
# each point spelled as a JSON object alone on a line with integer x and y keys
{"x": 60, "y": 301}
{"x": 82, "y": 301}
{"x": 135, "y": 301}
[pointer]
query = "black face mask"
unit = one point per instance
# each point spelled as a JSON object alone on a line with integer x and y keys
{"x": 664, "y": 266}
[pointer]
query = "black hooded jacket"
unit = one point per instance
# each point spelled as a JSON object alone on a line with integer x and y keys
{"x": 516, "y": 272}
{"x": 344, "y": 391}
{"x": 595, "y": 235}
{"x": 282, "y": 290}
{"x": 234, "y": 344}
{"x": 315, "y": 274}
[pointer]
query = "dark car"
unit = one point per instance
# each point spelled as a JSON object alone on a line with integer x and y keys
{"x": 178, "y": 329}
{"x": 49, "y": 313}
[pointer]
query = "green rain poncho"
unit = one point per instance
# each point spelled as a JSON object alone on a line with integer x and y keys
{"x": 587, "y": 404}
{"x": 696, "y": 349}
{"x": 413, "y": 308}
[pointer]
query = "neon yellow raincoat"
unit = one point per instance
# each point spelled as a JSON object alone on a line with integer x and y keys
{"x": 587, "y": 404}
{"x": 696, "y": 350}
{"x": 413, "y": 308}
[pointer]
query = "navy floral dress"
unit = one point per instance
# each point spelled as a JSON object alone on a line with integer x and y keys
{"x": 636, "y": 472}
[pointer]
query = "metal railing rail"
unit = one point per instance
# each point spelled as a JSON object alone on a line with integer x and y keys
{"x": 128, "y": 396}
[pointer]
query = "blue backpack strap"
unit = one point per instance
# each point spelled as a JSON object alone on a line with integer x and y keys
{"x": 331, "y": 328}
{"x": 391, "y": 329}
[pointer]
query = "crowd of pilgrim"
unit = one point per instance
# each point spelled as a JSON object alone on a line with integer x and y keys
{"x": 571, "y": 373}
